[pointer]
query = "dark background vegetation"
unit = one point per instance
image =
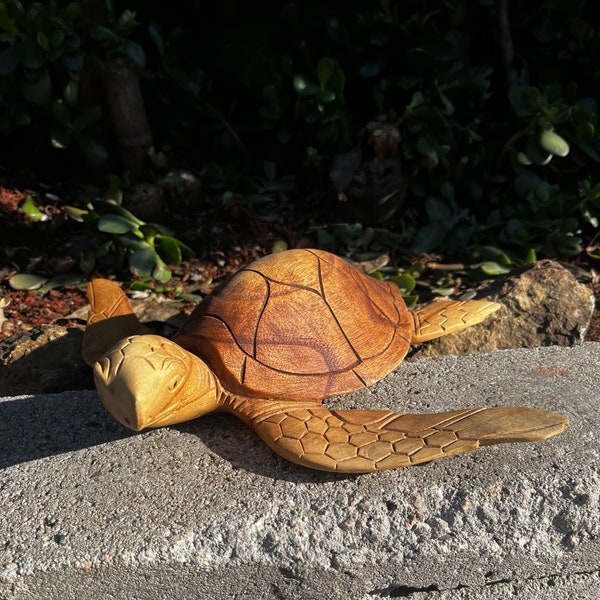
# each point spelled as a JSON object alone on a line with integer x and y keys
{"x": 454, "y": 131}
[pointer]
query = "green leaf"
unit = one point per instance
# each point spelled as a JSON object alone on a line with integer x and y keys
{"x": 31, "y": 209}
{"x": 26, "y": 282}
{"x": 448, "y": 106}
{"x": 141, "y": 286}
{"x": 525, "y": 183}
{"x": 531, "y": 256}
{"x": 429, "y": 237}
{"x": 417, "y": 100}
{"x": 75, "y": 213}
{"x": 304, "y": 86}
{"x": 72, "y": 11}
{"x": 99, "y": 33}
{"x": 104, "y": 207}
{"x": 72, "y": 42}
{"x": 60, "y": 138}
{"x": 135, "y": 52}
{"x": 447, "y": 191}
{"x": 132, "y": 241}
{"x": 405, "y": 282}
{"x": 516, "y": 230}
{"x": 493, "y": 268}
{"x": 61, "y": 281}
{"x": 325, "y": 70}
{"x": 6, "y": 23}
{"x": 427, "y": 146}
{"x": 326, "y": 96}
{"x": 115, "y": 224}
{"x": 554, "y": 143}
{"x": 437, "y": 210}
{"x": 411, "y": 300}
{"x": 56, "y": 39}
{"x": 142, "y": 262}
{"x": 169, "y": 249}
{"x": 71, "y": 92}
{"x": 161, "y": 272}
{"x": 491, "y": 253}
{"x": 42, "y": 40}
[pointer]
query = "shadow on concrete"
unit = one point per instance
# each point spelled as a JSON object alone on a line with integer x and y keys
{"x": 46, "y": 425}
{"x": 237, "y": 444}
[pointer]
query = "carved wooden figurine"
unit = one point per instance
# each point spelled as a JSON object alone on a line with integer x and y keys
{"x": 276, "y": 339}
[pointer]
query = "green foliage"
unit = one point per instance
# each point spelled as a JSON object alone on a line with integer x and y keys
{"x": 500, "y": 144}
{"x": 489, "y": 161}
{"x": 117, "y": 236}
{"x": 49, "y": 55}
{"x": 27, "y": 282}
{"x": 40, "y": 47}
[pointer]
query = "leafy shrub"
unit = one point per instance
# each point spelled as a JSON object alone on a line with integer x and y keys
{"x": 116, "y": 238}
{"x": 50, "y": 56}
{"x": 499, "y": 127}
{"x": 497, "y": 150}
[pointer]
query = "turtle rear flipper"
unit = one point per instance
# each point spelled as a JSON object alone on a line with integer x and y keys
{"x": 361, "y": 441}
{"x": 110, "y": 319}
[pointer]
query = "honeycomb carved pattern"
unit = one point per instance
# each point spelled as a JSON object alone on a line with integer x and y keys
{"x": 363, "y": 440}
{"x": 440, "y": 318}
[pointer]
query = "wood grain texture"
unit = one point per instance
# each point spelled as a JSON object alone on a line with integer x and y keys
{"x": 361, "y": 441}
{"x": 281, "y": 335}
{"x": 299, "y": 325}
{"x": 447, "y": 316}
{"x": 110, "y": 319}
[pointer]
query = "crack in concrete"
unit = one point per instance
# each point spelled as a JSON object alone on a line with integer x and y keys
{"x": 406, "y": 591}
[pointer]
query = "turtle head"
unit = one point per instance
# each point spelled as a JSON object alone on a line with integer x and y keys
{"x": 149, "y": 381}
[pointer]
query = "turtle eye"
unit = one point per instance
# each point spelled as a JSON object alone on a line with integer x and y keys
{"x": 174, "y": 384}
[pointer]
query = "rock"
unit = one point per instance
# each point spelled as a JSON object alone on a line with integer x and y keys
{"x": 544, "y": 305}
{"x": 145, "y": 201}
{"x": 182, "y": 187}
{"x": 48, "y": 359}
{"x": 44, "y": 360}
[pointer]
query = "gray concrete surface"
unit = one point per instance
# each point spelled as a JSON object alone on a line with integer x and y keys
{"x": 205, "y": 510}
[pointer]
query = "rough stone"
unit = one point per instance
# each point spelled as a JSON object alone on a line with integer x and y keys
{"x": 48, "y": 358}
{"x": 206, "y": 510}
{"x": 42, "y": 360}
{"x": 544, "y": 305}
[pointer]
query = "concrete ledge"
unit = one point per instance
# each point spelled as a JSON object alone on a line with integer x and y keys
{"x": 205, "y": 510}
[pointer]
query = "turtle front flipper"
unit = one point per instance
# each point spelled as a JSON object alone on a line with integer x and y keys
{"x": 361, "y": 441}
{"x": 110, "y": 319}
{"x": 447, "y": 316}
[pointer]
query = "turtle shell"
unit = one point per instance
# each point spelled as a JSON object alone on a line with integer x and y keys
{"x": 299, "y": 325}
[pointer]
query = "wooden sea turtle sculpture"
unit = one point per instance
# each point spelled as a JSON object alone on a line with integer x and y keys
{"x": 272, "y": 342}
